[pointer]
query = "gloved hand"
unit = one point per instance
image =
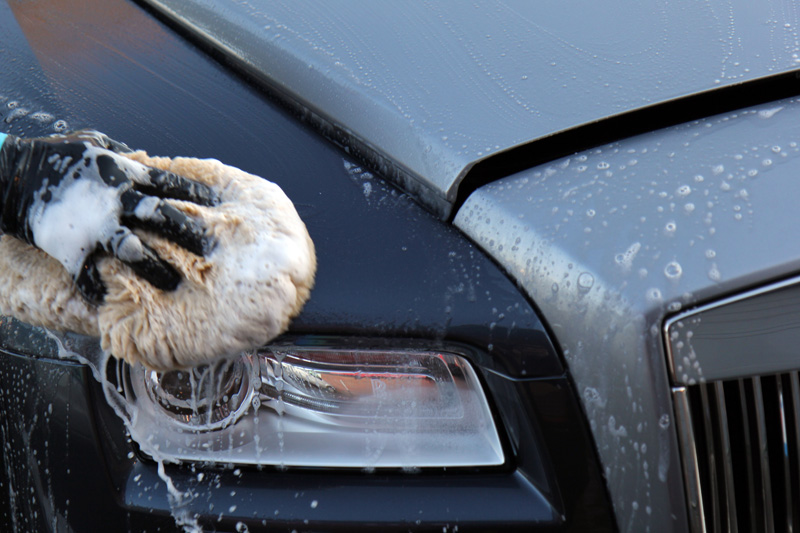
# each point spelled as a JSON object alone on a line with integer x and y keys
{"x": 73, "y": 196}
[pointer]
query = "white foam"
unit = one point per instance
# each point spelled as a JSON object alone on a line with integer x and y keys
{"x": 146, "y": 209}
{"x": 80, "y": 214}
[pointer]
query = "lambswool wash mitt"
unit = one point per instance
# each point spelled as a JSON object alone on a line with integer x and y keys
{"x": 238, "y": 296}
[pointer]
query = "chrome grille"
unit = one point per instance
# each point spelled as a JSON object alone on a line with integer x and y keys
{"x": 734, "y": 368}
{"x": 741, "y": 443}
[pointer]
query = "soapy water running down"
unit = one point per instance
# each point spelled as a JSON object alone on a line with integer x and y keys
{"x": 87, "y": 351}
{"x": 375, "y": 408}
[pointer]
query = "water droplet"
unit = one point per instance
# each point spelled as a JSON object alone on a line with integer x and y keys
{"x": 689, "y": 207}
{"x": 769, "y": 113}
{"x": 684, "y": 190}
{"x": 714, "y": 273}
{"x": 711, "y": 254}
{"x": 41, "y": 116}
{"x": 585, "y": 281}
{"x": 663, "y": 422}
{"x": 590, "y": 213}
{"x": 314, "y": 504}
{"x": 602, "y": 165}
{"x": 616, "y": 431}
{"x": 60, "y": 125}
{"x": 674, "y": 307}
{"x": 625, "y": 259}
{"x": 673, "y": 270}
{"x": 670, "y": 227}
{"x": 592, "y": 396}
{"x": 653, "y": 295}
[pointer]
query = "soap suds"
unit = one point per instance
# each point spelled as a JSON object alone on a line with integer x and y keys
{"x": 77, "y": 217}
{"x": 240, "y": 296}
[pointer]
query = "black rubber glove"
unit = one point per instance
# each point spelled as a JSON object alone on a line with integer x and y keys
{"x": 73, "y": 196}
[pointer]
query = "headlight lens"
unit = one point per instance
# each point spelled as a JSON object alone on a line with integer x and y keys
{"x": 323, "y": 407}
{"x": 205, "y": 398}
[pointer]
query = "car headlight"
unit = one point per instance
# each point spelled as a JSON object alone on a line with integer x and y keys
{"x": 318, "y": 406}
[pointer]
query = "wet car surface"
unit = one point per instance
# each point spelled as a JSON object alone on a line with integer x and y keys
{"x": 586, "y": 261}
{"x": 388, "y": 270}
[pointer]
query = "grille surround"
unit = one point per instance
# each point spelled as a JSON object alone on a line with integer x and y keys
{"x": 736, "y": 392}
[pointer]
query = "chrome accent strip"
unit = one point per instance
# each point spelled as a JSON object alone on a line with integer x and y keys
{"x": 727, "y": 462}
{"x": 731, "y": 358}
{"x": 794, "y": 379}
{"x": 691, "y": 471}
{"x": 766, "y": 483}
{"x": 787, "y": 481}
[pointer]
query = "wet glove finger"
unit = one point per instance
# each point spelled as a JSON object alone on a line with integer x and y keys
{"x": 89, "y": 283}
{"x": 151, "y": 213}
{"x": 144, "y": 261}
{"x": 168, "y": 185}
{"x": 93, "y": 137}
{"x": 101, "y": 140}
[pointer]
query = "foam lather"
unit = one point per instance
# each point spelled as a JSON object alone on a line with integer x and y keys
{"x": 242, "y": 295}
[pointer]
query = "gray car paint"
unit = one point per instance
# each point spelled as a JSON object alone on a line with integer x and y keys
{"x": 435, "y": 87}
{"x": 610, "y": 242}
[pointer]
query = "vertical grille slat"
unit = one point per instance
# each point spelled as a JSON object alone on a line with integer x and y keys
{"x": 748, "y": 453}
{"x": 787, "y": 481}
{"x": 727, "y": 463}
{"x": 741, "y": 452}
{"x": 765, "y": 487}
{"x": 708, "y": 432}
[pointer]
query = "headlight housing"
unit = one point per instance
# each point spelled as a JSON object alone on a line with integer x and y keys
{"x": 318, "y": 406}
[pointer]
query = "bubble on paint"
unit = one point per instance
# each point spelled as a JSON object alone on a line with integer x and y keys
{"x": 673, "y": 270}
{"x": 714, "y": 273}
{"x": 653, "y": 295}
{"x": 585, "y": 281}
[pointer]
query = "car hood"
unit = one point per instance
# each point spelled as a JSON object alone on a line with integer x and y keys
{"x": 428, "y": 90}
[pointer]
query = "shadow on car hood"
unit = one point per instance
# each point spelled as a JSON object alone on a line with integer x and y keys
{"x": 428, "y": 90}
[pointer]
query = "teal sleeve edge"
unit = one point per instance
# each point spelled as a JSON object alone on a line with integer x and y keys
{"x": 2, "y": 139}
